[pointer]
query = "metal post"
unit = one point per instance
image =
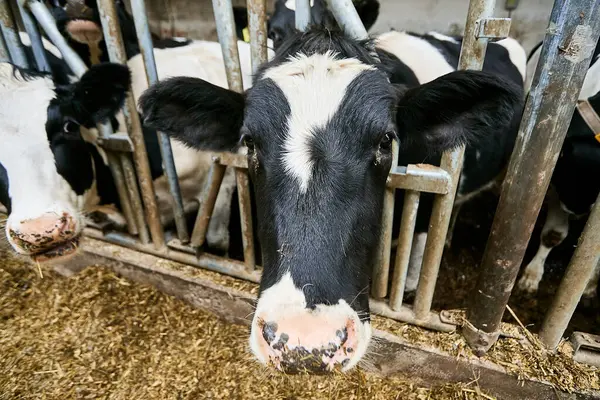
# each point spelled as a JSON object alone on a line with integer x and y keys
{"x": 302, "y": 14}
{"x": 138, "y": 9}
{"x": 208, "y": 197}
{"x": 10, "y": 32}
{"x": 4, "y": 55}
{"x": 243, "y": 185}
{"x": 472, "y": 54}
{"x": 578, "y": 274}
{"x": 257, "y": 24}
{"x": 116, "y": 52}
{"x": 228, "y": 39}
{"x": 570, "y": 38}
{"x": 37, "y": 47}
{"x": 346, "y": 16}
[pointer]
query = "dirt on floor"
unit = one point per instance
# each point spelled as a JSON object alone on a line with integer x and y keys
{"x": 99, "y": 336}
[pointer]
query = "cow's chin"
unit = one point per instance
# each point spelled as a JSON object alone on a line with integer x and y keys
{"x": 84, "y": 31}
{"x": 60, "y": 252}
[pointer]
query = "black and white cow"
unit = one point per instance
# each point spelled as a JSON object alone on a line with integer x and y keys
{"x": 49, "y": 175}
{"x": 318, "y": 124}
{"x": 575, "y": 185}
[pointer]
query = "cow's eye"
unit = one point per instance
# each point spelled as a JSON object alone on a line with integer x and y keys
{"x": 386, "y": 141}
{"x": 70, "y": 127}
{"x": 248, "y": 142}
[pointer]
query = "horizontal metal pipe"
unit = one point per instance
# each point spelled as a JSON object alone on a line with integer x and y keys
{"x": 579, "y": 272}
{"x": 208, "y": 197}
{"x": 116, "y": 53}
{"x": 10, "y": 32}
{"x": 407, "y": 230}
{"x": 206, "y": 261}
{"x": 302, "y": 14}
{"x": 37, "y": 47}
{"x": 572, "y": 32}
{"x": 257, "y": 25}
{"x": 48, "y": 24}
{"x": 243, "y": 186}
{"x": 138, "y": 9}
{"x": 405, "y": 314}
{"x": 420, "y": 178}
{"x": 227, "y": 37}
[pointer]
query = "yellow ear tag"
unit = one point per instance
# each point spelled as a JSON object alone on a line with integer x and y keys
{"x": 246, "y": 35}
{"x": 597, "y": 137}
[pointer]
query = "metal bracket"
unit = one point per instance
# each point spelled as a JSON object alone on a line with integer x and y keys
{"x": 586, "y": 348}
{"x": 492, "y": 28}
{"x": 119, "y": 142}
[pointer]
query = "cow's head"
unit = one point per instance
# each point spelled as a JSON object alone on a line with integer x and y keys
{"x": 318, "y": 125}
{"x": 47, "y": 171}
{"x": 79, "y": 22}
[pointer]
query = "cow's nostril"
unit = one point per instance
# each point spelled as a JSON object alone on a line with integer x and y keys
{"x": 342, "y": 334}
{"x": 269, "y": 331}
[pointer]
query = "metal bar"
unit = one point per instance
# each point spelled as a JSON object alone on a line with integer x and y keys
{"x": 228, "y": 39}
{"x": 207, "y": 202}
{"x": 134, "y": 197}
{"x": 406, "y": 314}
{"x": 420, "y": 178}
{"x": 407, "y": 230}
{"x": 4, "y": 54}
{"x": 37, "y": 47}
{"x": 381, "y": 266}
{"x": 116, "y": 53}
{"x": 243, "y": 186}
{"x": 580, "y": 270}
{"x": 302, "y": 14}
{"x": 117, "y": 173}
{"x": 257, "y": 25}
{"x": 46, "y": 21}
{"x": 346, "y": 16}
{"x": 206, "y": 261}
{"x": 10, "y": 32}
{"x": 572, "y": 33}
{"x": 138, "y": 9}
{"x": 472, "y": 54}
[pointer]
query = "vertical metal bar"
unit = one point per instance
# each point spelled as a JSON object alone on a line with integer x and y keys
{"x": 10, "y": 31}
{"x": 138, "y": 9}
{"x": 4, "y": 55}
{"x": 228, "y": 39}
{"x": 134, "y": 196}
{"x": 37, "y": 47}
{"x": 257, "y": 24}
{"x": 302, "y": 14}
{"x": 472, "y": 54}
{"x": 381, "y": 268}
{"x": 214, "y": 178}
{"x": 407, "y": 230}
{"x": 347, "y": 17}
{"x": 570, "y": 39}
{"x": 116, "y": 52}
{"x": 46, "y": 21}
{"x": 243, "y": 185}
{"x": 578, "y": 274}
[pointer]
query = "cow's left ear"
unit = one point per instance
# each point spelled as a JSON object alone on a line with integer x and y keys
{"x": 458, "y": 108}
{"x": 101, "y": 91}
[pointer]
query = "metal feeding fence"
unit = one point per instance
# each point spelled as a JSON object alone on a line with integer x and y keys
{"x": 573, "y": 30}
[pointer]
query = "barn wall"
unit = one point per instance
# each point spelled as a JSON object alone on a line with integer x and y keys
{"x": 194, "y": 18}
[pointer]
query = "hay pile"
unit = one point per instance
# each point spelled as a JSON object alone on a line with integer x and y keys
{"x": 99, "y": 336}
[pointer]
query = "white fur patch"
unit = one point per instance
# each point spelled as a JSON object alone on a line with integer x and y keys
{"x": 426, "y": 62}
{"x": 284, "y": 298}
{"x": 441, "y": 36}
{"x": 291, "y": 4}
{"x": 314, "y": 88}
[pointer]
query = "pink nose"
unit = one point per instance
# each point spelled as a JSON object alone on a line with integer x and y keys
{"x": 306, "y": 343}
{"x": 39, "y": 234}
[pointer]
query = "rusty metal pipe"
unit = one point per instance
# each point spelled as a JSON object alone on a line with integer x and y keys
{"x": 134, "y": 196}
{"x": 570, "y": 39}
{"x": 406, "y": 314}
{"x": 37, "y": 47}
{"x": 407, "y": 230}
{"x": 578, "y": 274}
{"x": 472, "y": 55}
{"x": 4, "y": 55}
{"x": 257, "y": 25}
{"x": 10, "y": 32}
{"x": 208, "y": 197}
{"x": 138, "y": 9}
{"x": 302, "y": 14}
{"x": 223, "y": 11}
{"x": 116, "y": 52}
{"x": 243, "y": 186}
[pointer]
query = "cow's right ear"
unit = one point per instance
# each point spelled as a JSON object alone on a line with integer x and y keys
{"x": 195, "y": 112}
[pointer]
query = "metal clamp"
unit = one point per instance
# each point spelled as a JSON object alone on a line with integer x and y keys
{"x": 492, "y": 28}
{"x": 586, "y": 348}
{"x": 119, "y": 142}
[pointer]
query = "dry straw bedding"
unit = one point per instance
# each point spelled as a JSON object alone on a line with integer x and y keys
{"x": 97, "y": 335}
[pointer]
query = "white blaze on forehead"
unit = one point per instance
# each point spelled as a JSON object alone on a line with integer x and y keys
{"x": 314, "y": 88}
{"x": 35, "y": 186}
{"x": 291, "y": 4}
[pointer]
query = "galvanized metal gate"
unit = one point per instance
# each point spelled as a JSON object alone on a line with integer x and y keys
{"x": 130, "y": 167}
